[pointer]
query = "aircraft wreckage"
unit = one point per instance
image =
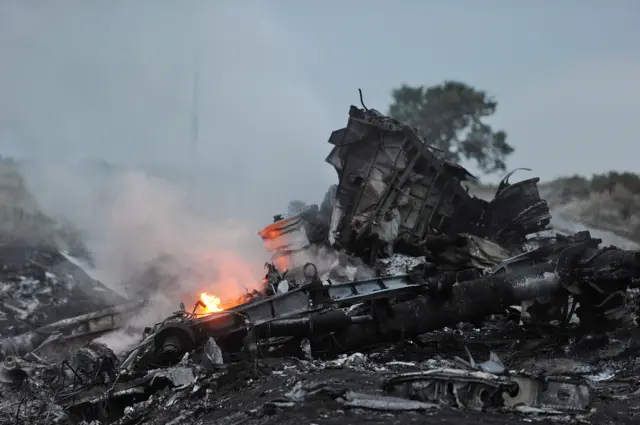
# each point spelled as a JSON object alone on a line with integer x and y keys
{"x": 410, "y": 251}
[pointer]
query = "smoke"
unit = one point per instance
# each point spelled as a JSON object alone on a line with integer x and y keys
{"x": 332, "y": 264}
{"x": 99, "y": 98}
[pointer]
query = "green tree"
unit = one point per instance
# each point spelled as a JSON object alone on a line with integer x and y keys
{"x": 450, "y": 117}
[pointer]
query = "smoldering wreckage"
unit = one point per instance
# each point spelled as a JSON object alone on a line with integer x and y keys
{"x": 424, "y": 280}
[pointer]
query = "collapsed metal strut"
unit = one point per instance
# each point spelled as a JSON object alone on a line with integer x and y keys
{"x": 344, "y": 317}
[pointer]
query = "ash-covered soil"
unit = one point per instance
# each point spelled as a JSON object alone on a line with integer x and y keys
{"x": 276, "y": 391}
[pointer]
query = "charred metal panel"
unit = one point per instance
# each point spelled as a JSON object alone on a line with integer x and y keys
{"x": 288, "y": 234}
{"x": 383, "y": 166}
{"x": 516, "y": 212}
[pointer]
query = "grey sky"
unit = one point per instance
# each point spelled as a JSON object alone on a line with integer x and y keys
{"x": 566, "y": 73}
{"x": 113, "y": 79}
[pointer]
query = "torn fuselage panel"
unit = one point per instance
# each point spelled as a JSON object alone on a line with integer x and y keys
{"x": 288, "y": 234}
{"x": 392, "y": 183}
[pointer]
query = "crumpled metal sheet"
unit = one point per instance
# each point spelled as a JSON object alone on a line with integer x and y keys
{"x": 212, "y": 355}
{"x": 381, "y": 402}
{"x": 399, "y": 264}
{"x": 180, "y": 376}
{"x": 304, "y": 391}
{"x": 494, "y": 365}
{"x": 485, "y": 253}
{"x": 549, "y": 393}
{"x": 479, "y": 390}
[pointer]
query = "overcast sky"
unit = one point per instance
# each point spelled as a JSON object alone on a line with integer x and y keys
{"x": 113, "y": 79}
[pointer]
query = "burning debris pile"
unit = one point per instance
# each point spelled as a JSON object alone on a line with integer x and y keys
{"x": 398, "y": 262}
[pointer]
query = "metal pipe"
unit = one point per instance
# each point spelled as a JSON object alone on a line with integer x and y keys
{"x": 467, "y": 301}
{"x": 323, "y": 323}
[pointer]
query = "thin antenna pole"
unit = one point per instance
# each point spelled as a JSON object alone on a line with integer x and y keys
{"x": 195, "y": 129}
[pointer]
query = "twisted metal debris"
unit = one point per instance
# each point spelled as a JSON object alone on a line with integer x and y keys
{"x": 395, "y": 198}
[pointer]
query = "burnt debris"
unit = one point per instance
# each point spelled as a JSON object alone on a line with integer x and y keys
{"x": 393, "y": 188}
{"x": 398, "y": 253}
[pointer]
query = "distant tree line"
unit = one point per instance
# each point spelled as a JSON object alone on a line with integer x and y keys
{"x": 582, "y": 187}
{"x": 452, "y": 117}
{"x": 622, "y": 192}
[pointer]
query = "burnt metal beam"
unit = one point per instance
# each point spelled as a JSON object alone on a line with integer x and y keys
{"x": 467, "y": 301}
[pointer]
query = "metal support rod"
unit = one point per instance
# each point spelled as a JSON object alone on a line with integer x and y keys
{"x": 467, "y": 301}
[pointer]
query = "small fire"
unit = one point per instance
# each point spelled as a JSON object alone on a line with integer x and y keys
{"x": 225, "y": 274}
{"x": 212, "y": 303}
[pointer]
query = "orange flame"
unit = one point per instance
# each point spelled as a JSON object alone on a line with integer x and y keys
{"x": 211, "y": 302}
{"x": 228, "y": 276}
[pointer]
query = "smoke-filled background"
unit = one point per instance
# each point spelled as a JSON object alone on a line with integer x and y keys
{"x": 98, "y": 97}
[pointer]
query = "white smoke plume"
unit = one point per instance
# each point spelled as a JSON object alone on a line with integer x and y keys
{"x": 114, "y": 82}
